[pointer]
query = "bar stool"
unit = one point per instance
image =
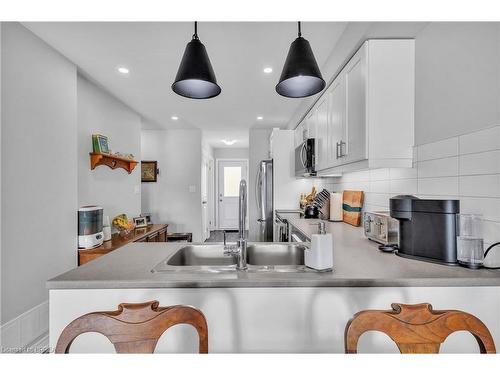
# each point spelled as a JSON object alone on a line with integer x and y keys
{"x": 416, "y": 328}
{"x": 135, "y": 327}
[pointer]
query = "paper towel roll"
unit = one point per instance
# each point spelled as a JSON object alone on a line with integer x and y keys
{"x": 336, "y": 213}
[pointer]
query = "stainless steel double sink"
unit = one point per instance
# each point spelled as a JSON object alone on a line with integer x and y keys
{"x": 261, "y": 257}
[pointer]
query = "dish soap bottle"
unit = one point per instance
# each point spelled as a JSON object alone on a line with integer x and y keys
{"x": 320, "y": 255}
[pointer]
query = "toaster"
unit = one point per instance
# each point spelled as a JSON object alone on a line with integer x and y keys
{"x": 381, "y": 227}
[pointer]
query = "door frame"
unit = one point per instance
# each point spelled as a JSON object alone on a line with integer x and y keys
{"x": 216, "y": 183}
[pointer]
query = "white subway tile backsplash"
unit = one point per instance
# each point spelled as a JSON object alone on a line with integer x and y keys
{"x": 489, "y": 208}
{"x": 484, "y": 140}
{"x": 491, "y": 231}
{"x": 465, "y": 168}
{"x": 406, "y": 186}
{"x": 480, "y": 163}
{"x": 379, "y": 174}
{"x": 438, "y": 186}
{"x": 402, "y": 173}
{"x": 377, "y": 199}
{"x": 480, "y": 186}
{"x": 438, "y": 167}
{"x": 379, "y": 186}
{"x": 437, "y": 150}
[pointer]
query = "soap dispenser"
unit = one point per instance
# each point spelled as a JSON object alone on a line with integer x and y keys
{"x": 320, "y": 255}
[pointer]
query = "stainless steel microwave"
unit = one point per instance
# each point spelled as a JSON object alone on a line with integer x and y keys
{"x": 304, "y": 159}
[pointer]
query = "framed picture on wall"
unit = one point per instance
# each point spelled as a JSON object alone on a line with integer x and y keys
{"x": 149, "y": 171}
{"x": 100, "y": 144}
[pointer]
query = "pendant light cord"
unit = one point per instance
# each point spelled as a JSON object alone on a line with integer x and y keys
{"x": 300, "y": 33}
{"x": 195, "y": 35}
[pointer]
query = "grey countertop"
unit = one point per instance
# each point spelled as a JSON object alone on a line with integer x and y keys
{"x": 357, "y": 263}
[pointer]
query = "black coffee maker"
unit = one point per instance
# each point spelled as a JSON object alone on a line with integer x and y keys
{"x": 427, "y": 228}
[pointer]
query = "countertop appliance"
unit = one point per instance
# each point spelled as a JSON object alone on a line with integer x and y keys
{"x": 90, "y": 232}
{"x": 427, "y": 228}
{"x": 380, "y": 227}
{"x": 264, "y": 197}
{"x": 311, "y": 211}
{"x": 305, "y": 159}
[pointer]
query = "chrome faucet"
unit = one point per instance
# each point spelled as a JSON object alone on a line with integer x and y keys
{"x": 240, "y": 250}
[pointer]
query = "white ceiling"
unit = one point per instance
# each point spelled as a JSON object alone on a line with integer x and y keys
{"x": 152, "y": 51}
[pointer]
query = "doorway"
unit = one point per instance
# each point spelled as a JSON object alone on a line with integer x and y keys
{"x": 229, "y": 174}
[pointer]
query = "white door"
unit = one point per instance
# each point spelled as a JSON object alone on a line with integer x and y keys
{"x": 230, "y": 173}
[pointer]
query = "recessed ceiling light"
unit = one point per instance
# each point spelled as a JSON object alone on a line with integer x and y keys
{"x": 123, "y": 70}
{"x": 175, "y": 118}
{"x": 260, "y": 117}
{"x": 268, "y": 70}
{"x": 229, "y": 142}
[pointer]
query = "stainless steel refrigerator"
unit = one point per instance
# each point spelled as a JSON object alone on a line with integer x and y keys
{"x": 264, "y": 195}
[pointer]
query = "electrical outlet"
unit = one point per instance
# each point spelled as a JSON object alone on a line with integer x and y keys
{"x": 192, "y": 188}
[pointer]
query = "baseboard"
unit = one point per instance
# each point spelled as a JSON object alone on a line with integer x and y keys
{"x": 26, "y": 332}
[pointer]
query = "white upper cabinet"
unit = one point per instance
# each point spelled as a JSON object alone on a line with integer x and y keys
{"x": 365, "y": 118}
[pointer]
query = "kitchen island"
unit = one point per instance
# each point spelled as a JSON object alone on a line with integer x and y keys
{"x": 275, "y": 311}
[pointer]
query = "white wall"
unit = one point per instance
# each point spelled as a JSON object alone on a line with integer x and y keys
{"x": 170, "y": 200}
{"x": 231, "y": 153}
{"x": 115, "y": 190}
{"x": 39, "y": 175}
{"x": 457, "y": 79}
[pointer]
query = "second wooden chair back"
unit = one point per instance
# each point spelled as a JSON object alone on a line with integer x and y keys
{"x": 135, "y": 327}
{"x": 417, "y": 328}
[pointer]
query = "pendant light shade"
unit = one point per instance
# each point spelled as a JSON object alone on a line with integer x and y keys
{"x": 195, "y": 78}
{"x": 301, "y": 76}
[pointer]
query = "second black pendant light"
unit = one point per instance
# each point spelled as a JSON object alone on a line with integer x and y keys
{"x": 301, "y": 76}
{"x": 195, "y": 78}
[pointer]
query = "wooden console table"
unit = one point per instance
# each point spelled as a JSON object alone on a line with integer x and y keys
{"x": 151, "y": 233}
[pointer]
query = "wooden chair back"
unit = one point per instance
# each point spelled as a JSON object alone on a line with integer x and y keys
{"x": 135, "y": 327}
{"x": 416, "y": 328}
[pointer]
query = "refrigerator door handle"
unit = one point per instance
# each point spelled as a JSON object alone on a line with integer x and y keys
{"x": 262, "y": 191}
{"x": 258, "y": 187}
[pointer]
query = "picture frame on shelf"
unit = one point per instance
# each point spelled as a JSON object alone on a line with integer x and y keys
{"x": 148, "y": 218}
{"x": 149, "y": 171}
{"x": 100, "y": 144}
{"x": 140, "y": 222}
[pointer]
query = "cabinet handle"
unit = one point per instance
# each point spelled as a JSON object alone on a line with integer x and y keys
{"x": 337, "y": 150}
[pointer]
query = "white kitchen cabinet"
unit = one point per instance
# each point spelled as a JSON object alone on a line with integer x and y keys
{"x": 299, "y": 133}
{"x": 321, "y": 133}
{"x": 369, "y": 110}
{"x": 336, "y": 125}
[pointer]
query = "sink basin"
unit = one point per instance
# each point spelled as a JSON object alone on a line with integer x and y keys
{"x": 201, "y": 255}
{"x": 261, "y": 257}
{"x": 275, "y": 254}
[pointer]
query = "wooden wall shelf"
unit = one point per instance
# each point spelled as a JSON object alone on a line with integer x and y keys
{"x": 111, "y": 161}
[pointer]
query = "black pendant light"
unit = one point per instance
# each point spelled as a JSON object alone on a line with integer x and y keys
{"x": 301, "y": 76}
{"x": 195, "y": 78}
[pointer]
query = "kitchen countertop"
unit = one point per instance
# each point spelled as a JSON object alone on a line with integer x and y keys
{"x": 356, "y": 263}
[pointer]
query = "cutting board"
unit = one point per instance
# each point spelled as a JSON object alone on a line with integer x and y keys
{"x": 352, "y": 202}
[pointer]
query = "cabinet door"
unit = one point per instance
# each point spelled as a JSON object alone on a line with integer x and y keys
{"x": 336, "y": 121}
{"x": 311, "y": 121}
{"x": 298, "y": 134}
{"x": 355, "y": 146}
{"x": 321, "y": 133}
